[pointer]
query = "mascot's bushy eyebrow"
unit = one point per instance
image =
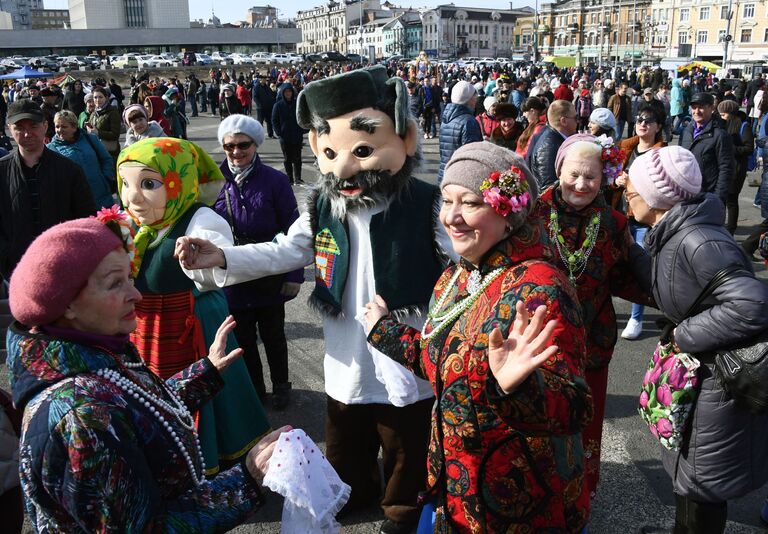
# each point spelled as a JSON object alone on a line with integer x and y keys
{"x": 359, "y": 89}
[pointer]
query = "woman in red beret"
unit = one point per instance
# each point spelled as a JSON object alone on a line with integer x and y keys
{"x": 106, "y": 445}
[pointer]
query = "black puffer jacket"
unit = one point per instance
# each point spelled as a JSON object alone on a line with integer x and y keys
{"x": 541, "y": 156}
{"x": 725, "y": 454}
{"x": 713, "y": 149}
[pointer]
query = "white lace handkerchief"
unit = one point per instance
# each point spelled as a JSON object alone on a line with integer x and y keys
{"x": 313, "y": 491}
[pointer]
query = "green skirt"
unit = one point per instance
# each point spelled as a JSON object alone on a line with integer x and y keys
{"x": 234, "y": 420}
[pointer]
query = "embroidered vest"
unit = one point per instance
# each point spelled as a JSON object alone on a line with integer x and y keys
{"x": 406, "y": 265}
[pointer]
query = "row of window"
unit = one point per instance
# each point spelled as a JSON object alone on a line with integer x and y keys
{"x": 595, "y": 18}
{"x": 747, "y": 12}
{"x": 702, "y": 36}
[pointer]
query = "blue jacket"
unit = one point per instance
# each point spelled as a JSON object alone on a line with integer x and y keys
{"x": 262, "y": 208}
{"x": 676, "y": 99}
{"x": 284, "y": 118}
{"x": 98, "y": 166}
{"x": 457, "y": 128}
{"x": 264, "y": 97}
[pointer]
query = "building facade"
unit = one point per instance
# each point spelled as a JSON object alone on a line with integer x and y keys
{"x": 594, "y": 31}
{"x": 261, "y": 15}
{"x": 50, "y": 19}
{"x": 701, "y": 29}
{"x": 326, "y": 27}
{"x": 20, "y": 12}
{"x": 402, "y": 36}
{"x": 451, "y": 31}
{"x": 114, "y": 14}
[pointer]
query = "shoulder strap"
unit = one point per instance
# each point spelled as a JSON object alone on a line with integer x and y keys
{"x": 722, "y": 276}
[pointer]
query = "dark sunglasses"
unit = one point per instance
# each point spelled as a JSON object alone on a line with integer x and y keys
{"x": 230, "y": 147}
{"x": 645, "y": 120}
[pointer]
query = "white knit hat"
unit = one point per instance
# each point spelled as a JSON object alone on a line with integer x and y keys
{"x": 488, "y": 102}
{"x": 241, "y": 124}
{"x": 462, "y": 92}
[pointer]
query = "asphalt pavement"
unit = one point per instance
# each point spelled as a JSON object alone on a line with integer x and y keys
{"x": 634, "y": 489}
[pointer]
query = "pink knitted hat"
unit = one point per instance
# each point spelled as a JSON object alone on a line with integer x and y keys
{"x": 56, "y": 267}
{"x": 567, "y": 144}
{"x": 664, "y": 177}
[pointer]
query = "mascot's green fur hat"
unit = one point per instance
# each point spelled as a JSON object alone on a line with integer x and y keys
{"x": 362, "y": 88}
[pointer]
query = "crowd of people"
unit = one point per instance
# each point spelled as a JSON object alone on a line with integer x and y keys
{"x": 134, "y": 356}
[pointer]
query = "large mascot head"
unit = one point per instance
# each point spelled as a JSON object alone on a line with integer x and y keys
{"x": 363, "y": 136}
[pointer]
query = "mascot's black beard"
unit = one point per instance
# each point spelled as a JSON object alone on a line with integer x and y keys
{"x": 374, "y": 187}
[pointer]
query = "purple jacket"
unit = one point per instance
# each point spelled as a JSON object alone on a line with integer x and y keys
{"x": 264, "y": 207}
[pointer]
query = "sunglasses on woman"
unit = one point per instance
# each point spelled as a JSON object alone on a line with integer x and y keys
{"x": 230, "y": 147}
{"x": 645, "y": 120}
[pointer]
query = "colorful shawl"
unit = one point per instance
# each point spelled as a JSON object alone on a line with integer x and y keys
{"x": 189, "y": 175}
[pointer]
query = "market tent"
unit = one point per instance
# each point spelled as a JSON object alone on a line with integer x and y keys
{"x": 560, "y": 61}
{"x": 25, "y": 72}
{"x": 63, "y": 80}
{"x": 700, "y": 64}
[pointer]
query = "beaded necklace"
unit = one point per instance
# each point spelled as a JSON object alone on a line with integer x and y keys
{"x": 575, "y": 261}
{"x": 476, "y": 287}
{"x": 179, "y": 411}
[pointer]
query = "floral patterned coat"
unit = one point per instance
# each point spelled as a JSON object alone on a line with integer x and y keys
{"x": 94, "y": 459}
{"x": 502, "y": 462}
{"x": 617, "y": 266}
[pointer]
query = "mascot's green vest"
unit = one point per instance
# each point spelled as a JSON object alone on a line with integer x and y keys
{"x": 406, "y": 264}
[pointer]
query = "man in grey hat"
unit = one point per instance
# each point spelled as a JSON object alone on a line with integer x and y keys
{"x": 371, "y": 228}
{"x": 712, "y": 146}
{"x": 38, "y": 187}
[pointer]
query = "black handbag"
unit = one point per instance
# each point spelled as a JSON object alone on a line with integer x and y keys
{"x": 742, "y": 369}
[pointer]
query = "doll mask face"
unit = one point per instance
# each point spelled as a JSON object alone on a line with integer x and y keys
{"x": 143, "y": 193}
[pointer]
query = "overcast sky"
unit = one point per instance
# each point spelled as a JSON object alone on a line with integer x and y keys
{"x": 234, "y": 10}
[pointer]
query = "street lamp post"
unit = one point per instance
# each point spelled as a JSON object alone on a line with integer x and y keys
{"x": 536, "y": 32}
{"x": 277, "y": 28}
{"x": 727, "y": 38}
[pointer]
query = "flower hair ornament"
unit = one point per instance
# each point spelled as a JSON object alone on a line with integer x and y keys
{"x": 612, "y": 158}
{"x": 506, "y": 192}
{"x": 117, "y": 220}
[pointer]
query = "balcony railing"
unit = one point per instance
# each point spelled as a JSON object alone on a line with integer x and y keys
{"x": 574, "y": 27}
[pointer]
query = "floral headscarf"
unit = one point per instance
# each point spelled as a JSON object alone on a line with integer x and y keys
{"x": 189, "y": 175}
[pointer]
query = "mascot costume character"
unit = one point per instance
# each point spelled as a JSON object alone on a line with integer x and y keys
{"x": 370, "y": 228}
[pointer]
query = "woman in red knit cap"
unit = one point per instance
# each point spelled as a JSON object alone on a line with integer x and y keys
{"x": 106, "y": 444}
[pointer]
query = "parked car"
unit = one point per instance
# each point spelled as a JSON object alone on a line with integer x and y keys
{"x": 127, "y": 61}
{"x": 189, "y": 59}
{"x": 357, "y": 58}
{"x": 158, "y": 61}
{"x": 312, "y": 58}
{"x": 261, "y": 58}
{"x": 295, "y": 58}
{"x": 45, "y": 62}
{"x": 93, "y": 61}
{"x": 241, "y": 59}
{"x": 332, "y": 56}
{"x": 281, "y": 58}
{"x": 75, "y": 62}
{"x": 203, "y": 59}
{"x": 16, "y": 62}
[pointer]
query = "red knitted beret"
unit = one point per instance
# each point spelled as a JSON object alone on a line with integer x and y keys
{"x": 56, "y": 267}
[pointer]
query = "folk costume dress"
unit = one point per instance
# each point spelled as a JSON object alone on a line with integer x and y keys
{"x": 181, "y": 310}
{"x": 95, "y": 458}
{"x": 615, "y": 266}
{"x": 500, "y": 462}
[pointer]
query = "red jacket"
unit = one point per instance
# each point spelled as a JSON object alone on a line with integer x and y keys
{"x": 502, "y": 462}
{"x": 609, "y": 270}
{"x": 243, "y": 95}
{"x": 563, "y": 92}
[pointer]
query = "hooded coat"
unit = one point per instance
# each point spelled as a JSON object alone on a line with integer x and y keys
{"x": 284, "y": 117}
{"x": 724, "y": 457}
{"x": 158, "y": 106}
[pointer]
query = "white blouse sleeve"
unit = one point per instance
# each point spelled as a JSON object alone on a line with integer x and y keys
{"x": 283, "y": 254}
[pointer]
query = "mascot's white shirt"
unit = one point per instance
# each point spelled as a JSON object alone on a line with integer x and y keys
{"x": 355, "y": 373}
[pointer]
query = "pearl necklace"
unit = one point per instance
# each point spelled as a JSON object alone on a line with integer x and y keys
{"x": 476, "y": 288}
{"x": 575, "y": 262}
{"x": 180, "y": 413}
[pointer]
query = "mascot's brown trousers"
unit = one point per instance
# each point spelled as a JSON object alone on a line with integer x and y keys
{"x": 354, "y": 433}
